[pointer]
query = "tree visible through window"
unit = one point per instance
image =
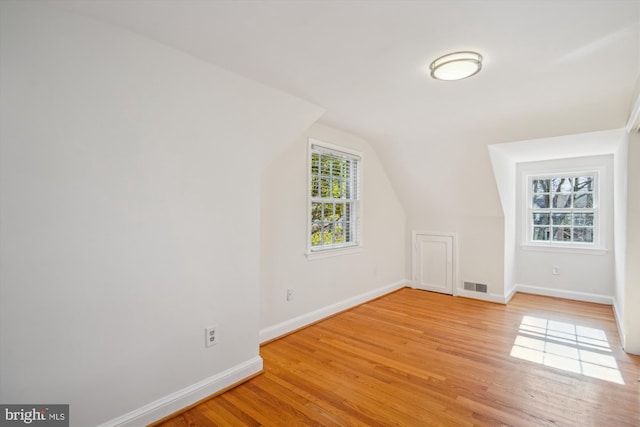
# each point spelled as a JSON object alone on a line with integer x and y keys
{"x": 563, "y": 209}
{"x": 334, "y": 197}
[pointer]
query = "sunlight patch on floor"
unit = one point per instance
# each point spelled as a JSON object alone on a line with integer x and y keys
{"x": 566, "y": 346}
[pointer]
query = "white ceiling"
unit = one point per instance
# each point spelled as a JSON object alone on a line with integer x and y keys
{"x": 551, "y": 67}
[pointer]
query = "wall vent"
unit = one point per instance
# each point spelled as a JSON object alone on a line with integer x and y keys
{"x": 475, "y": 287}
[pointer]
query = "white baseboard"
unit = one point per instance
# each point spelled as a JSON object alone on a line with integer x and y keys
{"x": 497, "y": 298}
{"x": 618, "y": 315}
{"x": 561, "y": 293}
{"x": 180, "y": 399}
{"x": 509, "y": 295}
{"x": 306, "y": 319}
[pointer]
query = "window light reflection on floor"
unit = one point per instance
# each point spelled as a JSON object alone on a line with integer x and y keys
{"x": 566, "y": 346}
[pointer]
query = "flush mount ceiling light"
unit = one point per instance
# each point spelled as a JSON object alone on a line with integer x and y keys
{"x": 456, "y": 66}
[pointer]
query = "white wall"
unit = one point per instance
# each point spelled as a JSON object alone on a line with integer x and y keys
{"x": 480, "y": 249}
{"x": 582, "y": 275}
{"x": 620, "y": 232}
{"x": 632, "y": 277}
{"x": 326, "y": 285}
{"x": 455, "y": 193}
{"x": 504, "y": 171}
{"x": 130, "y": 182}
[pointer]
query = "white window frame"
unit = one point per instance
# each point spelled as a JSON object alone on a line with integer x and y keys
{"x": 315, "y": 252}
{"x": 598, "y": 222}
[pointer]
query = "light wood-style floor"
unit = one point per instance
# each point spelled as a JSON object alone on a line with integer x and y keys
{"x": 415, "y": 358}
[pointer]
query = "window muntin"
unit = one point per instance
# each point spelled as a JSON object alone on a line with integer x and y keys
{"x": 562, "y": 209}
{"x": 334, "y": 197}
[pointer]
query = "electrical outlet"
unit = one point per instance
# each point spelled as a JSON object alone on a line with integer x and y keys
{"x": 290, "y": 294}
{"x": 210, "y": 335}
{"x": 555, "y": 270}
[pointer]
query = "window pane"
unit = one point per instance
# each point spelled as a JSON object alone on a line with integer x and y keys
{"x": 316, "y": 227}
{"x": 315, "y": 182}
{"x": 541, "y": 201}
{"x": 316, "y": 224}
{"x": 562, "y": 201}
{"x": 561, "y": 185}
{"x": 316, "y": 212}
{"x": 326, "y": 233}
{"x": 583, "y": 219}
{"x": 541, "y": 233}
{"x": 336, "y": 188}
{"x": 583, "y": 234}
{"x": 327, "y": 211}
{"x": 540, "y": 218}
{"x": 583, "y": 184}
{"x": 325, "y": 165}
{"x": 540, "y": 186}
{"x": 338, "y": 234}
{"x": 583, "y": 200}
{"x": 315, "y": 160}
{"x": 563, "y": 218}
{"x": 336, "y": 166}
{"x": 324, "y": 187}
{"x": 339, "y": 211}
{"x": 562, "y": 234}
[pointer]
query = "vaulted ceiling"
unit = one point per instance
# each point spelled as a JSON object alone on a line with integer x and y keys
{"x": 550, "y": 68}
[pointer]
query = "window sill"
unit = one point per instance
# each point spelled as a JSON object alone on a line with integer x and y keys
{"x": 564, "y": 249}
{"x": 326, "y": 253}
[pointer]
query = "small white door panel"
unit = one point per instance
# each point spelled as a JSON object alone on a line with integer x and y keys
{"x": 433, "y": 261}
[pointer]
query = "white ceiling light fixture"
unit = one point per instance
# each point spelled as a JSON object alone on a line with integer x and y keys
{"x": 456, "y": 66}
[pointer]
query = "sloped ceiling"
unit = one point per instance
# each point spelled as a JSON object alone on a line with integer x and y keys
{"x": 551, "y": 68}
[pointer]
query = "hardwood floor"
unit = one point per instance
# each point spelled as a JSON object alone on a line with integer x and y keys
{"x": 415, "y": 358}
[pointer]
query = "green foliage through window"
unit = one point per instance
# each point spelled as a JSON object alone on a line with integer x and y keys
{"x": 334, "y": 197}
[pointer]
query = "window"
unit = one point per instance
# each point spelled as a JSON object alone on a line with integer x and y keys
{"x": 334, "y": 197}
{"x": 563, "y": 210}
